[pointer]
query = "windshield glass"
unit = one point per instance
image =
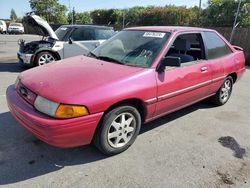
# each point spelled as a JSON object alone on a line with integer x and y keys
{"x": 16, "y": 24}
{"x": 61, "y": 32}
{"x": 132, "y": 47}
{"x": 103, "y": 34}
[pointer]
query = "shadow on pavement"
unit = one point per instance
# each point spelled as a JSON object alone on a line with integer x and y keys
{"x": 22, "y": 156}
{"x": 11, "y": 66}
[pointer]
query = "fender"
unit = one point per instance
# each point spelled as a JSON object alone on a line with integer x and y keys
{"x": 48, "y": 49}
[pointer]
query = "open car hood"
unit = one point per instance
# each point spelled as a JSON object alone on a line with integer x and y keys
{"x": 36, "y": 25}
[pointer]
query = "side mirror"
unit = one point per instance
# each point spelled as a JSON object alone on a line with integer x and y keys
{"x": 170, "y": 61}
{"x": 70, "y": 40}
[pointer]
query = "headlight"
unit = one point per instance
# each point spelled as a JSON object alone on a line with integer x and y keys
{"x": 46, "y": 106}
{"x": 58, "y": 110}
{"x": 17, "y": 81}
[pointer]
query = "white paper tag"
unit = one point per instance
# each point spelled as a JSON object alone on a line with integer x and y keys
{"x": 64, "y": 28}
{"x": 154, "y": 34}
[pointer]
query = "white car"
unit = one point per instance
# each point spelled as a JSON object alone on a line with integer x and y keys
{"x": 66, "y": 41}
{"x": 16, "y": 28}
{"x": 3, "y": 27}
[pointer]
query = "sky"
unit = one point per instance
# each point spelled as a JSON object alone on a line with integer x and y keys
{"x": 22, "y": 6}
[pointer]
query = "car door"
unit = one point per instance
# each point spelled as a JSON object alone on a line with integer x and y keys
{"x": 181, "y": 86}
{"x": 82, "y": 40}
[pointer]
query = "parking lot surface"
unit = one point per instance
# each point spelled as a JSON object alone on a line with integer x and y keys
{"x": 199, "y": 146}
{"x": 9, "y": 47}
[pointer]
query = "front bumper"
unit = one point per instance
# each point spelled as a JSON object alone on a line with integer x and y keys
{"x": 25, "y": 58}
{"x": 60, "y": 133}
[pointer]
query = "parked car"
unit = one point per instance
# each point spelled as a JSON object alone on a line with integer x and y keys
{"x": 16, "y": 28}
{"x": 3, "y": 27}
{"x": 66, "y": 41}
{"x": 138, "y": 75}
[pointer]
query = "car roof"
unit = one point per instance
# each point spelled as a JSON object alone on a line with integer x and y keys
{"x": 169, "y": 28}
{"x": 92, "y": 26}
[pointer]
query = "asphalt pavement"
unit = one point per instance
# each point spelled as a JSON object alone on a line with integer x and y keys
{"x": 199, "y": 146}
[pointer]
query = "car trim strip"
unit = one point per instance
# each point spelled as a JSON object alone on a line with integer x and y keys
{"x": 218, "y": 79}
{"x": 181, "y": 91}
{"x": 151, "y": 101}
{"x": 185, "y": 90}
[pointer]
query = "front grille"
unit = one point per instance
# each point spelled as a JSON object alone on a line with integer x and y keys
{"x": 26, "y": 93}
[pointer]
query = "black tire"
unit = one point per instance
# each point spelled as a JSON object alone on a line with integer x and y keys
{"x": 101, "y": 140}
{"x": 41, "y": 54}
{"x": 218, "y": 97}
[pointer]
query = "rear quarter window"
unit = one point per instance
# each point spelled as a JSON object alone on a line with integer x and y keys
{"x": 216, "y": 47}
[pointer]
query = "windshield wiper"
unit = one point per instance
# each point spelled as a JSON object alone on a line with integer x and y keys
{"x": 110, "y": 59}
{"x": 91, "y": 54}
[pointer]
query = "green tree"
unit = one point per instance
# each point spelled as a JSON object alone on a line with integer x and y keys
{"x": 222, "y": 13}
{"x": 51, "y": 10}
{"x": 81, "y": 18}
{"x": 104, "y": 17}
{"x": 13, "y": 15}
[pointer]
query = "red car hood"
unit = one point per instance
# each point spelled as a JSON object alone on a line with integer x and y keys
{"x": 66, "y": 79}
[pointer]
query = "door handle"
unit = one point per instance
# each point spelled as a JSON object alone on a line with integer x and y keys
{"x": 203, "y": 69}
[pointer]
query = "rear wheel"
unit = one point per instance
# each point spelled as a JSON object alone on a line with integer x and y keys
{"x": 224, "y": 93}
{"x": 118, "y": 130}
{"x": 44, "y": 58}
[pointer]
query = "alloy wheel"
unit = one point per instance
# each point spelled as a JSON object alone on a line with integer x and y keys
{"x": 121, "y": 130}
{"x": 225, "y": 91}
{"x": 45, "y": 58}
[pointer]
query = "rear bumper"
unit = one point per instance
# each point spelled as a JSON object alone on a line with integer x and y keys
{"x": 59, "y": 133}
{"x": 240, "y": 73}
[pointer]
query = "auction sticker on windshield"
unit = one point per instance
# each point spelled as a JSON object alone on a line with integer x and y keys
{"x": 154, "y": 34}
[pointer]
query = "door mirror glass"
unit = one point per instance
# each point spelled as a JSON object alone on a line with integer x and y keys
{"x": 70, "y": 40}
{"x": 169, "y": 61}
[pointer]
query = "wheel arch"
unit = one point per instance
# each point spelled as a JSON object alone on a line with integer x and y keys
{"x": 234, "y": 76}
{"x": 56, "y": 54}
{"x": 135, "y": 102}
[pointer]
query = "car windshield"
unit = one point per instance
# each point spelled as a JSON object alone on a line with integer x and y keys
{"x": 61, "y": 32}
{"x": 132, "y": 47}
{"x": 16, "y": 24}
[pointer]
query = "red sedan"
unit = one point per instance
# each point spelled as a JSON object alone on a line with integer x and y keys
{"x": 138, "y": 75}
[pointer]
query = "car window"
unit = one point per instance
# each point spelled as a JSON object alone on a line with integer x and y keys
{"x": 103, "y": 34}
{"x": 16, "y": 24}
{"x": 1, "y": 23}
{"x": 81, "y": 34}
{"x": 133, "y": 47}
{"x": 61, "y": 32}
{"x": 188, "y": 47}
{"x": 216, "y": 47}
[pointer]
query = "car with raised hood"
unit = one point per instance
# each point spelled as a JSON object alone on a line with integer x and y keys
{"x": 3, "y": 27}
{"x": 66, "y": 41}
{"x": 138, "y": 75}
{"x": 16, "y": 28}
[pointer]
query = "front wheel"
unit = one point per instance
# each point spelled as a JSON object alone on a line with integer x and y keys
{"x": 118, "y": 130}
{"x": 44, "y": 58}
{"x": 224, "y": 93}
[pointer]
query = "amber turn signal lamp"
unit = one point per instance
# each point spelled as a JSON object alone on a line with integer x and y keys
{"x": 70, "y": 111}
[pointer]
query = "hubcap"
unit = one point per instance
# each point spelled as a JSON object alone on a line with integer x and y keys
{"x": 121, "y": 130}
{"x": 225, "y": 91}
{"x": 45, "y": 58}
